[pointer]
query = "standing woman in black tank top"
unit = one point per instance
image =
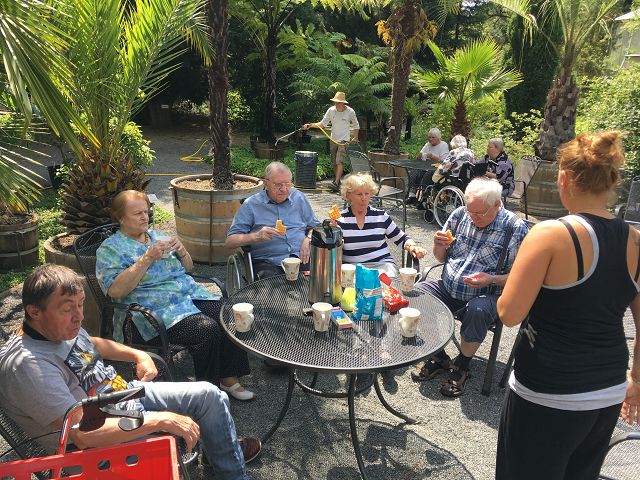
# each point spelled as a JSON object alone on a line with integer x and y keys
{"x": 574, "y": 278}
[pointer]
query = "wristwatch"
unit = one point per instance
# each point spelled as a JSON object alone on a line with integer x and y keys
{"x": 493, "y": 281}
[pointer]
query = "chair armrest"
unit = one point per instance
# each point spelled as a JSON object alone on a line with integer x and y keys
{"x": 148, "y": 315}
{"x": 623, "y": 437}
{"x": 427, "y": 271}
{"x": 394, "y": 180}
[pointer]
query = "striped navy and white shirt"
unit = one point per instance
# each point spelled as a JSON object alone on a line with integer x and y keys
{"x": 370, "y": 243}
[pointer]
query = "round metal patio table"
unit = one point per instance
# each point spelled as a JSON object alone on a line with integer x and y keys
{"x": 283, "y": 334}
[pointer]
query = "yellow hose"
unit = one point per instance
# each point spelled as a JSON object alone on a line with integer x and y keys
{"x": 329, "y": 137}
{"x": 193, "y": 157}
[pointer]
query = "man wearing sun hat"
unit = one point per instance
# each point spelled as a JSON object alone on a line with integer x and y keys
{"x": 342, "y": 118}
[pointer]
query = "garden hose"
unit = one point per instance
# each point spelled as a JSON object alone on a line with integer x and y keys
{"x": 329, "y": 137}
{"x": 194, "y": 156}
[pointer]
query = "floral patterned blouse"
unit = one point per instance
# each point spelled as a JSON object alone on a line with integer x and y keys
{"x": 165, "y": 288}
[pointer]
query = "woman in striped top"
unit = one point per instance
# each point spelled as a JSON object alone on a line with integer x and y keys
{"x": 366, "y": 229}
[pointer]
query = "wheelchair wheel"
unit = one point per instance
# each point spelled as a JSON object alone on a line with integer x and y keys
{"x": 428, "y": 216}
{"x": 447, "y": 200}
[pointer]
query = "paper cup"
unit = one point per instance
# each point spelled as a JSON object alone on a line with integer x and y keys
{"x": 243, "y": 316}
{"x": 291, "y": 267}
{"x": 348, "y": 275}
{"x": 409, "y": 321}
{"x": 165, "y": 238}
{"x": 408, "y": 277}
{"x": 321, "y": 316}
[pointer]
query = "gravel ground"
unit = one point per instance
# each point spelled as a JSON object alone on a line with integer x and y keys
{"x": 455, "y": 439}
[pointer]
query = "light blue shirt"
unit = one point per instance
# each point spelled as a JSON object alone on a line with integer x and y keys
{"x": 165, "y": 288}
{"x": 259, "y": 211}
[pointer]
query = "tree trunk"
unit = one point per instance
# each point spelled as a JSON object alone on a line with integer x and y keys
{"x": 221, "y": 179}
{"x": 267, "y": 130}
{"x": 460, "y": 123}
{"x": 559, "y": 123}
{"x": 401, "y": 68}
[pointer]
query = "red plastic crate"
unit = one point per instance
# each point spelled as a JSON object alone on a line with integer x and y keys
{"x": 153, "y": 459}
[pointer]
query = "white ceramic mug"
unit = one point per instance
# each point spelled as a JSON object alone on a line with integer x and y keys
{"x": 291, "y": 267}
{"x": 348, "y": 276}
{"x": 408, "y": 277}
{"x": 164, "y": 238}
{"x": 321, "y": 316}
{"x": 409, "y": 321}
{"x": 243, "y": 316}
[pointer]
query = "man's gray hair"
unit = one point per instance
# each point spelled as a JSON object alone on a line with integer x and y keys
{"x": 275, "y": 167}
{"x": 435, "y": 132}
{"x": 498, "y": 143}
{"x": 488, "y": 189}
{"x": 458, "y": 141}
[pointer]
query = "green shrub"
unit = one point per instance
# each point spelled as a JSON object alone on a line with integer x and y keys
{"x": 614, "y": 103}
{"x": 136, "y": 146}
{"x": 238, "y": 109}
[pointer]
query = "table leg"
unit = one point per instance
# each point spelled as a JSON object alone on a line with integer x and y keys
{"x": 384, "y": 403}
{"x": 352, "y": 424}
{"x": 284, "y": 410}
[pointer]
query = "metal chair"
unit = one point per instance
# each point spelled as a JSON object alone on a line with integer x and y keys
{"x": 527, "y": 168}
{"x": 388, "y": 191}
{"x": 623, "y": 455}
{"x": 85, "y": 247}
{"x": 630, "y": 212}
{"x": 240, "y": 271}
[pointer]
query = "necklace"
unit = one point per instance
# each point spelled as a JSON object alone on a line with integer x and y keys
{"x": 147, "y": 238}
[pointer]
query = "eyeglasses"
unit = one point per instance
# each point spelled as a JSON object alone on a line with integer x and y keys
{"x": 478, "y": 214}
{"x": 279, "y": 186}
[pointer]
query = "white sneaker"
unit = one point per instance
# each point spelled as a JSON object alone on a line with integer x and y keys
{"x": 235, "y": 392}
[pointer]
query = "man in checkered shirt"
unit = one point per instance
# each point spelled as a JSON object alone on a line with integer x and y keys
{"x": 469, "y": 275}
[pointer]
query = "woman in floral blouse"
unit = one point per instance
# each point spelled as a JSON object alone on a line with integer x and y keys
{"x": 135, "y": 265}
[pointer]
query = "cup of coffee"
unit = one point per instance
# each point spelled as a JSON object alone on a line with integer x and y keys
{"x": 348, "y": 275}
{"x": 321, "y": 316}
{"x": 409, "y": 321}
{"x": 164, "y": 238}
{"x": 291, "y": 267}
{"x": 243, "y": 316}
{"x": 408, "y": 277}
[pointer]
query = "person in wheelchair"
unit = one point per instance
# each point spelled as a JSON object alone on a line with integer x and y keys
{"x": 366, "y": 229}
{"x": 450, "y": 167}
{"x": 51, "y": 362}
{"x": 499, "y": 166}
{"x": 135, "y": 265}
{"x": 470, "y": 256}
{"x": 255, "y": 223}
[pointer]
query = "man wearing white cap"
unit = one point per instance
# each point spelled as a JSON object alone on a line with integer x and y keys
{"x": 341, "y": 118}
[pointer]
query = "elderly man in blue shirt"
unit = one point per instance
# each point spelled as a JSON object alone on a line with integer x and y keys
{"x": 470, "y": 255}
{"x": 254, "y": 224}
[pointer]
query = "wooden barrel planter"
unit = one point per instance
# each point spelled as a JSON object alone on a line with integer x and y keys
{"x": 19, "y": 245}
{"x": 268, "y": 151}
{"x": 92, "y": 313}
{"x": 389, "y": 170}
{"x": 203, "y": 216}
{"x": 543, "y": 197}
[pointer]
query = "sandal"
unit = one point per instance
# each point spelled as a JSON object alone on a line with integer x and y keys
{"x": 432, "y": 367}
{"x": 455, "y": 384}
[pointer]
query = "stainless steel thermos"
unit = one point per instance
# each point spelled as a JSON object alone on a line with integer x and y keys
{"x": 326, "y": 264}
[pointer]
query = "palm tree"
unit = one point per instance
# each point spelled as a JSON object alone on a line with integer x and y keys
{"x": 471, "y": 73}
{"x": 33, "y": 68}
{"x": 122, "y": 51}
{"x": 577, "y": 20}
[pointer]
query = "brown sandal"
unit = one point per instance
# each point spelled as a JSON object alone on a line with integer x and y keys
{"x": 431, "y": 368}
{"x": 455, "y": 385}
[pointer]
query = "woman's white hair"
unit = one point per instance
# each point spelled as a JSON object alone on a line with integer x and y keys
{"x": 275, "y": 167}
{"x": 487, "y": 189}
{"x": 435, "y": 132}
{"x": 498, "y": 143}
{"x": 354, "y": 181}
{"x": 458, "y": 141}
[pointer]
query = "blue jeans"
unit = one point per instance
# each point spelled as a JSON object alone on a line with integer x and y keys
{"x": 209, "y": 408}
{"x": 480, "y": 314}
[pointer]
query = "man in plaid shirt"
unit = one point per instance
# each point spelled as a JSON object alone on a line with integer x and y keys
{"x": 470, "y": 256}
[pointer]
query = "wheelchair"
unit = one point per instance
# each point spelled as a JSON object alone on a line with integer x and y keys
{"x": 239, "y": 270}
{"x": 443, "y": 197}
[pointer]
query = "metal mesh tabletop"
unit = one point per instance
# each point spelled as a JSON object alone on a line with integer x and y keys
{"x": 425, "y": 166}
{"x": 281, "y": 332}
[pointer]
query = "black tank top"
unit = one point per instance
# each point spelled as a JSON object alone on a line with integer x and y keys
{"x": 575, "y": 341}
